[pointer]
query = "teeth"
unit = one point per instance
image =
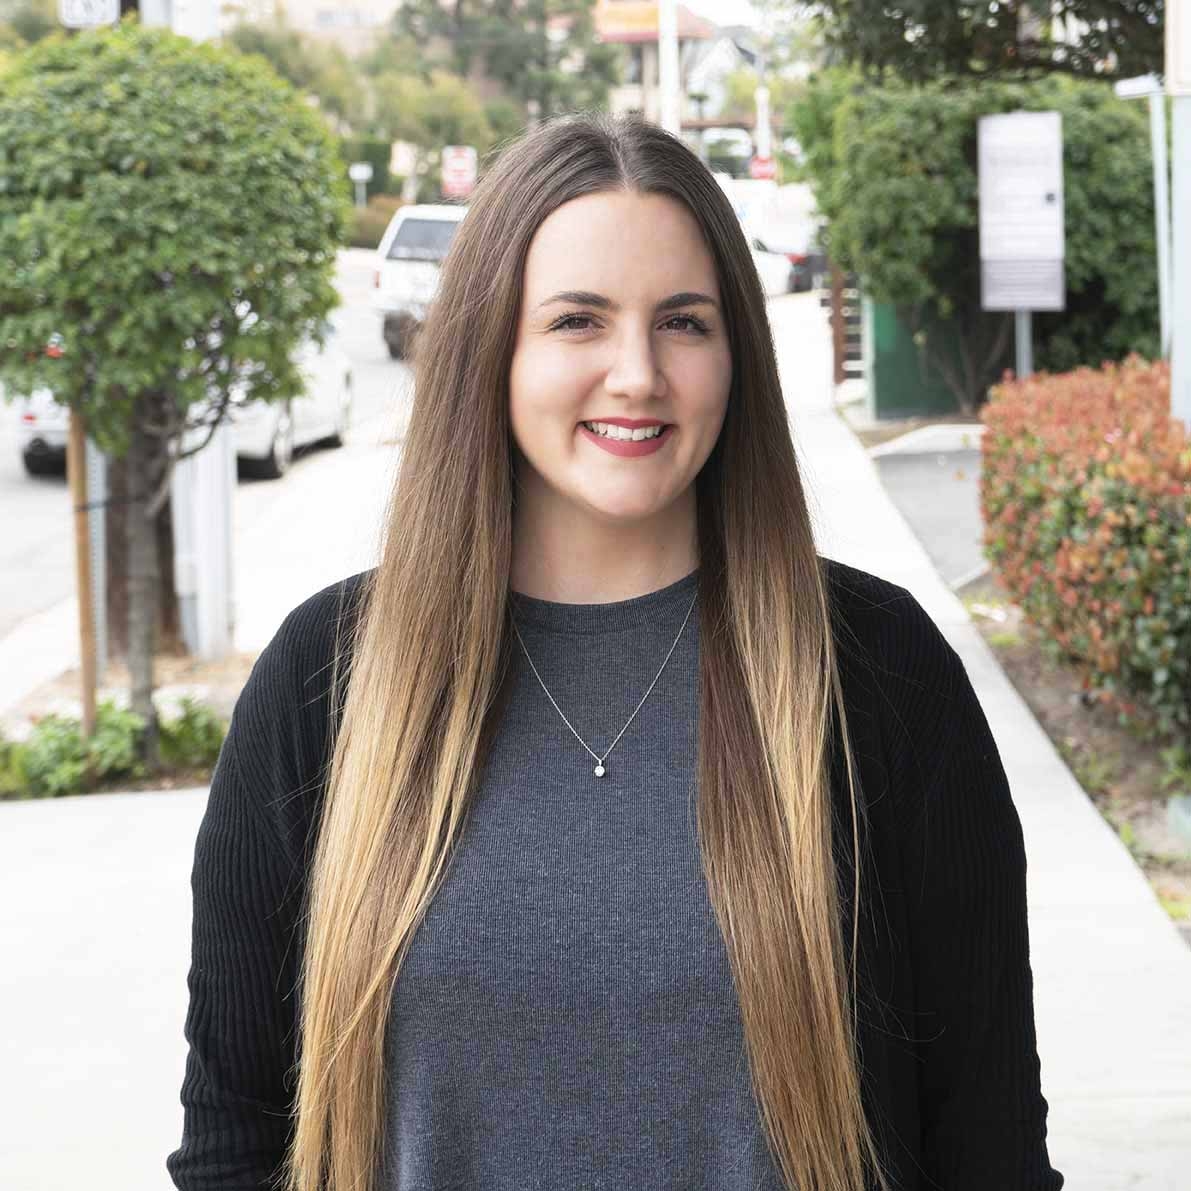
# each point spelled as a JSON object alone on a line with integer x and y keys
{"x": 607, "y": 430}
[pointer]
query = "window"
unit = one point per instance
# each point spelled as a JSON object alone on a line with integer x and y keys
{"x": 634, "y": 64}
{"x": 422, "y": 239}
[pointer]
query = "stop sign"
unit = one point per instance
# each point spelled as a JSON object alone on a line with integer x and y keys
{"x": 458, "y": 170}
{"x": 762, "y": 167}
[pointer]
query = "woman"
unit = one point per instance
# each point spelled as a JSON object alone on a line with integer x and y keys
{"x": 605, "y": 835}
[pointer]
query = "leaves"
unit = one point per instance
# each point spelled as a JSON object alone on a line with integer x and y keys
{"x": 1086, "y": 498}
{"x": 131, "y": 155}
{"x": 893, "y": 166}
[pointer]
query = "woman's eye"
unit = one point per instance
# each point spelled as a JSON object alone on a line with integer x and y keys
{"x": 567, "y": 323}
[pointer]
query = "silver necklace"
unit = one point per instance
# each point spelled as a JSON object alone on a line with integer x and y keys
{"x": 599, "y": 769}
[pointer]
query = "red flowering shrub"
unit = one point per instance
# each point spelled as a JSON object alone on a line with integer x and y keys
{"x": 1086, "y": 500}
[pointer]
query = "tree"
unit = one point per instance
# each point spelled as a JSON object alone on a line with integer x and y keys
{"x": 921, "y": 39}
{"x": 894, "y": 171}
{"x": 27, "y": 21}
{"x": 429, "y": 114}
{"x": 171, "y": 213}
{"x": 323, "y": 71}
{"x": 515, "y": 43}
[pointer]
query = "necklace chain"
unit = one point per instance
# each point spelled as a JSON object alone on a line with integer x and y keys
{"x": 599, "y": 769}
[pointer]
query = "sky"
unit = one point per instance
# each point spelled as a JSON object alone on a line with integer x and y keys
{"x": 724, "y": 12}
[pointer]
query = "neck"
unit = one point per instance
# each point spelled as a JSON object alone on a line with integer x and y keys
{"x": 573, "y": 558}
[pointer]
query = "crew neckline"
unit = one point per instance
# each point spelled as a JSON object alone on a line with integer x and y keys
{"x": 643, "y": 611}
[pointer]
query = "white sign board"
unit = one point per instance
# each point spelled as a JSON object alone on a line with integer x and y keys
{"x": 1178, "y": 47}
{"x": 88, "y": 14}
{"x": 1022, "y": 237}
{"x": 360, "y": 171}
{"x": 458, "y": 170}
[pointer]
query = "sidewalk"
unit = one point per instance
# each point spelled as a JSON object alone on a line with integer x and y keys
{"x": 95, "y": 899}
{"x": 1112, "y": 976}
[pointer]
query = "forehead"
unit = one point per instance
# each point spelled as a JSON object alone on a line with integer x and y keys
{"x": 622, "y": 241}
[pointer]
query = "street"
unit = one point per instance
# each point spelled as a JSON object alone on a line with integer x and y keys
{"x": 36, "y": 535}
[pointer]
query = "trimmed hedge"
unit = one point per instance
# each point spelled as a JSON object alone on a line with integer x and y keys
{"x": 1086, "y": 498}
{"x": 368, "y": 223}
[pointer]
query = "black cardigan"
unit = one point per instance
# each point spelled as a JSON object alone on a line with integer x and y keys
{"x": 950, "y": 1072}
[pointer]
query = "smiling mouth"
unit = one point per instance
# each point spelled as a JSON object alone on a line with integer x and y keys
{"x": 624, "y": 434}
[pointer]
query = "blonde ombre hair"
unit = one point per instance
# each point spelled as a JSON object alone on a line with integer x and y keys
{"x": 416, "y": 684}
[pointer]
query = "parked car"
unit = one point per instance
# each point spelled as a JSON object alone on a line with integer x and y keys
{"x": 266, "y": 433}
{"x": 408, "y": 263}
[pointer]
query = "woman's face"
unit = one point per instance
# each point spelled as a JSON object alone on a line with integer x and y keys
{"x": 641, "y": 338}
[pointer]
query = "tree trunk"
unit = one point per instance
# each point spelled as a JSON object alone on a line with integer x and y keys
{"x": 144, "y": 470}
{"x": 169, "y": 624}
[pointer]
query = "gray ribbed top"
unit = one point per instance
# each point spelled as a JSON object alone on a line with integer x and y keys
{"x": 566, "y": 1016}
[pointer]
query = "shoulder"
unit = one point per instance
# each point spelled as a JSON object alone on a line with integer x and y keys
{"x": 891, "y": 653}
{"x": 281, "y": 729}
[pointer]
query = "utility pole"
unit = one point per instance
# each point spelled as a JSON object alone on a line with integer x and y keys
{"x": 1149, "y": 86}
{"x": 1178, "y": 86}
{"x": 669, "y": 83}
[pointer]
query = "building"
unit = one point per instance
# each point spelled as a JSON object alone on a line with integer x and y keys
{"x": 633, "y": 24}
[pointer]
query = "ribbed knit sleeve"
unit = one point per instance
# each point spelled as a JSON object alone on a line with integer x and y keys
{"x": 240, "y": 1019}
{"x": 964, "y": 869}
{"x": 249, "y": 883}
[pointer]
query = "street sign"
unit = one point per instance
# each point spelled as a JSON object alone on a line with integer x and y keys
{"x": 1178, "y": 48}
{"x": 762, "y": 167}
{"x": 88, "y": 14}
{"x": 1140, "y": 87}
{"x": 458, "y": 170}
{"x": 360, "y": 171}
{"x": 1022, "y": 247}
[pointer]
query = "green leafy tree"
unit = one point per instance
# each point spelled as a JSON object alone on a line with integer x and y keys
{"x": 894, "y": 171}
{"x": 169, "y": 214}
{"x": 430, "y": 114}
{"x": 509, "y": 41}
{"x": 921, "y": 39}
{"x": 323, "y": 71}
{"x": 23, "y": 22}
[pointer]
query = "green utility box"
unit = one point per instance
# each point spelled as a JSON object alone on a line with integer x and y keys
{"x": 901, "y": 382}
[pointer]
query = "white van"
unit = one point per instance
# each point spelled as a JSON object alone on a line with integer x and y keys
{"x": 408, "y": 260}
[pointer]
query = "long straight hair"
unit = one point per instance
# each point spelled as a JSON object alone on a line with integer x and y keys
{"x": 417, "y": 678}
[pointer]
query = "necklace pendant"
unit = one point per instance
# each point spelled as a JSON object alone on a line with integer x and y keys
{"x": 599, "y": 770}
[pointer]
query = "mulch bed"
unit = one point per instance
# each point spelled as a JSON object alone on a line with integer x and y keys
{"x": 1118, "y": 769}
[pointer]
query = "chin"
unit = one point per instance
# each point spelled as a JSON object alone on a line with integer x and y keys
{"x": 626, "y": 511}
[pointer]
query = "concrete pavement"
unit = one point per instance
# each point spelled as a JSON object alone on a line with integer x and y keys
{"x": 94, "y": 891}
{"x": 1112, "y": 976}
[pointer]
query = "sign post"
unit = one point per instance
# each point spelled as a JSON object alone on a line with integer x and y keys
{"x": 1149, "y": 86}
{"x": 1022, "y": 236}
{"x": 458, "y": 170}
{"x": 360, "y": 172}
{"x": 1178, "y": 86}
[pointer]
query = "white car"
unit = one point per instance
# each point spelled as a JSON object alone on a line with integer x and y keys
{"x": 408, "y": 262}
{"x": 267, "y": 433}
{"x": 777, "y": 271}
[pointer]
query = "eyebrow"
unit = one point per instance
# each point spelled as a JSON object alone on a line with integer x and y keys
{"x": 581, "y": 297}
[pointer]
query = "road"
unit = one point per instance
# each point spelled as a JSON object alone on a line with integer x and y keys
{"x": 36, "y": 542}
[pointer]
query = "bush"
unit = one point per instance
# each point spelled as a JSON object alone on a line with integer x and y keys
{"x": 194, "y": 738}
{"x": 1086, "y": 498}
{"x": 374, "y": 151}
{"x": 369, "y": 223}
{"x": 55, "y": 760}
{"x": 894, "y": 169}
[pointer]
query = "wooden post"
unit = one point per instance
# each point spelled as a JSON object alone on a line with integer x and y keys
{"x": 76, "y": 472}
{"x": 839, "y": 330}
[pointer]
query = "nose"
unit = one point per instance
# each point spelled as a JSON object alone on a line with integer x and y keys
{"x": 635, "y": 371}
